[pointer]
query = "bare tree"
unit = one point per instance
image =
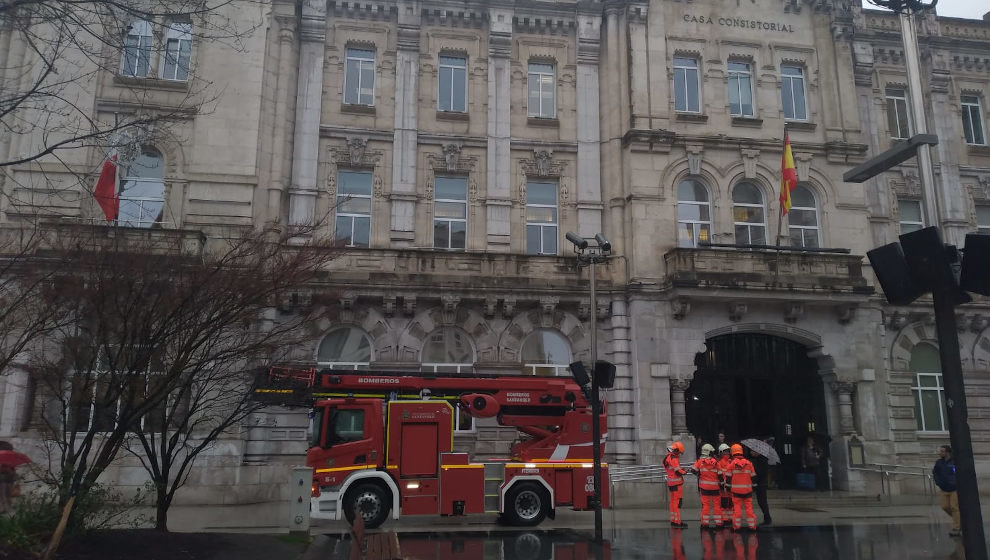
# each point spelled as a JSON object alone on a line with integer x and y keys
{"x": 165, "y": 328}
{"x": 54, "y": 54}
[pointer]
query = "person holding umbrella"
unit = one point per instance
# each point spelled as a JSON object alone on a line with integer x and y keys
{"x": 764, "y": 455}
{"x": 9, "y": 460}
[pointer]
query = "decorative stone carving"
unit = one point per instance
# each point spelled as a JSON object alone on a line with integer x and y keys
{"x": 584, "y": 309}
{"x": 694, "y": 152}
{"x": 388, "y": 305}
{"x": 897, "y": 320}
{"x": 378, "y": 190}
{"x": 451, "y": 159}
{"x": 451, "y": 154}
{"x": 844, "y": 390}
{"x": 749, "y": 159}
{"x": 979, "y": 323}
{"x": 355, "y": 149}
{"x": 681, "y": 385}
{"x": 332, "y": 183}
{"x": 985, "y": 185}
{"x": 490, "y": 306}
{"x": 604, "y": 309}
{"x": 802, "y": 161}
{"x": 448, "y": 308}
{"x": 347, "y": 300}
{"x": 548, "y": 304}
{"x": 793, "y": 311}
{"x": 680, "y": 307}
{"x": 472, "y": 190}
{"x": 542, "y": 165}
{"x": 429, "y": 190}
{"x": 736, "y": 310}
{"x": 508, "y": 307}
{"x": 409, "y": 305}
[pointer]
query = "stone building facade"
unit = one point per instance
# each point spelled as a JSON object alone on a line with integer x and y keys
{"x": 449, "y": 147}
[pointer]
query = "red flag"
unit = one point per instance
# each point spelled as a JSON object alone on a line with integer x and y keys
{"x": 788, "y": 176}
{"x": 106, "y": 189}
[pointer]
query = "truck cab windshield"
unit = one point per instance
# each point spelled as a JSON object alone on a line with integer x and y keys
{"x": 345, "y": 426}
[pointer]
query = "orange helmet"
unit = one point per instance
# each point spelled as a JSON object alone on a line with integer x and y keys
{"x": 677, "y": 447}
{"x": 736, "y": 449}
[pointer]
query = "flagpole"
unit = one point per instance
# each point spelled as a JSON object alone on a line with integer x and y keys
{"x": 780, "y": 209}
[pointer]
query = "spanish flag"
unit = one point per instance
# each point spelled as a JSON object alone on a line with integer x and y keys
{"x": 788, "y": 176}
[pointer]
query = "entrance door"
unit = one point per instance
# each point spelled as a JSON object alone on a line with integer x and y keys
{"x": 756, "y": 385}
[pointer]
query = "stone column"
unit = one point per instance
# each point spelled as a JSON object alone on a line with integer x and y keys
{"x": 623, "y": 418}
{"x": 844, "y": 389}
{"x": 499, "y": 202}
{"x": 945, "y": 119}
{"x": 678, "y": 417}
{"x": 309, "y": 99}
{"x": 589, "y": 173}
{"x": 403, "y": 196}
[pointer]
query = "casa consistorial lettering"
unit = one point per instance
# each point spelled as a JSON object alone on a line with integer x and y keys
{"x": 743, "y": 23}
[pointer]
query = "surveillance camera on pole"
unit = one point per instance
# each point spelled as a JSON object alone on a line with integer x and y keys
{"x": 579, "y": 242}
{"x": 603, "y": 243}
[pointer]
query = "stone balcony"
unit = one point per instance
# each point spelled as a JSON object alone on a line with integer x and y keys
{"x": 765, "y": 269}
{"x": 387, "y": 269}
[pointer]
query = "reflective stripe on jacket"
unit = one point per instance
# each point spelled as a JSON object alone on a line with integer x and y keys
{"x": 741, "y": 473}
{"x": 707, "y": 468}
{"x": 672, "y": 468}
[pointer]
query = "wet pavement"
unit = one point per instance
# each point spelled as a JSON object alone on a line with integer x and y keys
{"x": 863, "y": 541}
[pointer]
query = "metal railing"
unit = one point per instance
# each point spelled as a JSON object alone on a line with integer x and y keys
{"x": 888, "y": 472}
{"x": 651, "y": 474}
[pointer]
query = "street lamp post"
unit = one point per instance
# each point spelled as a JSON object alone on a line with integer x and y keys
{"x": 589, "y": 256}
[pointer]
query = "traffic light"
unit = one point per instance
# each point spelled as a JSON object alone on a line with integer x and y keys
{"x": 605, "y": 374}
{"x": 580, "y": 374}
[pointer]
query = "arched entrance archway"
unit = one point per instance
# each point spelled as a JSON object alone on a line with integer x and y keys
{"x": 758, "y": 385}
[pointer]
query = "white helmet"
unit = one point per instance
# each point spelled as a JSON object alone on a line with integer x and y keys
{"x": 723, "y": 448}
{"x": 707, "y": 450}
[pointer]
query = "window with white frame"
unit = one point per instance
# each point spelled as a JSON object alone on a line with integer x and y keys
{"x": 983, "y": 218}
{"x": 98, "y": 398}
{"x": 911, "y": 217}
{"x": 142, "y": 192}
{"x": 136, "y": 59}
{"x": 450, "y": 212}
{"x": 741, "y": 89}
{"x": 541, "y": 218}
{"x": 452, "y": 84}
{"x": 792, "y": 92}
{"x": 546, "y": 353}
{"x": 802, "y": 219}
{"x": 449, "y": 350}
{"x": 694, "y": 222}
{"x": 929, "y": 395}
{"x": 353, "y": 223}
{"x": 359, "y": 76}
{"x": 344, "y": 348}
{"x": 687, "y": 88}
{"x": 178, "y": 47}
{"x": 972, "y": 118}
{"x": 749, "y": 214}
{"x": 542, "y": 78}
{"x": 898, "y": 120}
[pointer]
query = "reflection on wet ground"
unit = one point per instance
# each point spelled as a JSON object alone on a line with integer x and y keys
{"x": 827, "y": 542}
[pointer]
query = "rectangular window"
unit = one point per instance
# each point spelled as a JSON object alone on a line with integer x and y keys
{"x": 542, "y": 90}
{"x": 687, "y": 94}
{"x": 98, "y": 398}
{"x": 463, "y": 422}
{"x": 740, "y": 90}
{"x": 137, "y": 51}
{"x": 452, "y": 85}
{"x": 541, "y": 218}
{"x": 359, "y": 77}
{"x": 353, "y": 225}
{"x": 972, "y": 117}
{"x": 929, "y": 402}
{"x": 898, "y": 120}
{"x": 450, "y": 213}
{"x": 178, "y": 46}
{"x": 983, "y": 219}
{"x": 911, "y": 217}
{"x": 792, "y": 93}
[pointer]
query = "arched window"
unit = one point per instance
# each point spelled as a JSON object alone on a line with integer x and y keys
{"x": 136, "y": 58}
{"x": 142, "y": 191}
{"x": 749, "y": 214}
{"x": 694, "y": 221}
{"x": 929, "y": 395}
{"x": 449, "y": 350}
{"x": 345, "y": 348}
{"x": 802, "y": 219}
{"x": 547, "y": 353}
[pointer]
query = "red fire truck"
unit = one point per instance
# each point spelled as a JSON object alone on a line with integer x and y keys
{"x": 383, "y": 443}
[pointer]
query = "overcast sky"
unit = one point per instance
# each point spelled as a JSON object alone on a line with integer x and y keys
{"x": 972, "y": 9}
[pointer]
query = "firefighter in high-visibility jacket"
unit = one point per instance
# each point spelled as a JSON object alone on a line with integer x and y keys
{"x": 741, "y": 473}
{"x": 724, "y": 458}
{"x": 708, "y": 486}
{"x": 675, "y": 481}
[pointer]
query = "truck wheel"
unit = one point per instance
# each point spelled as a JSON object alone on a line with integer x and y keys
{"x": 526, "y": 504}
{"x": 371, "y": 500}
